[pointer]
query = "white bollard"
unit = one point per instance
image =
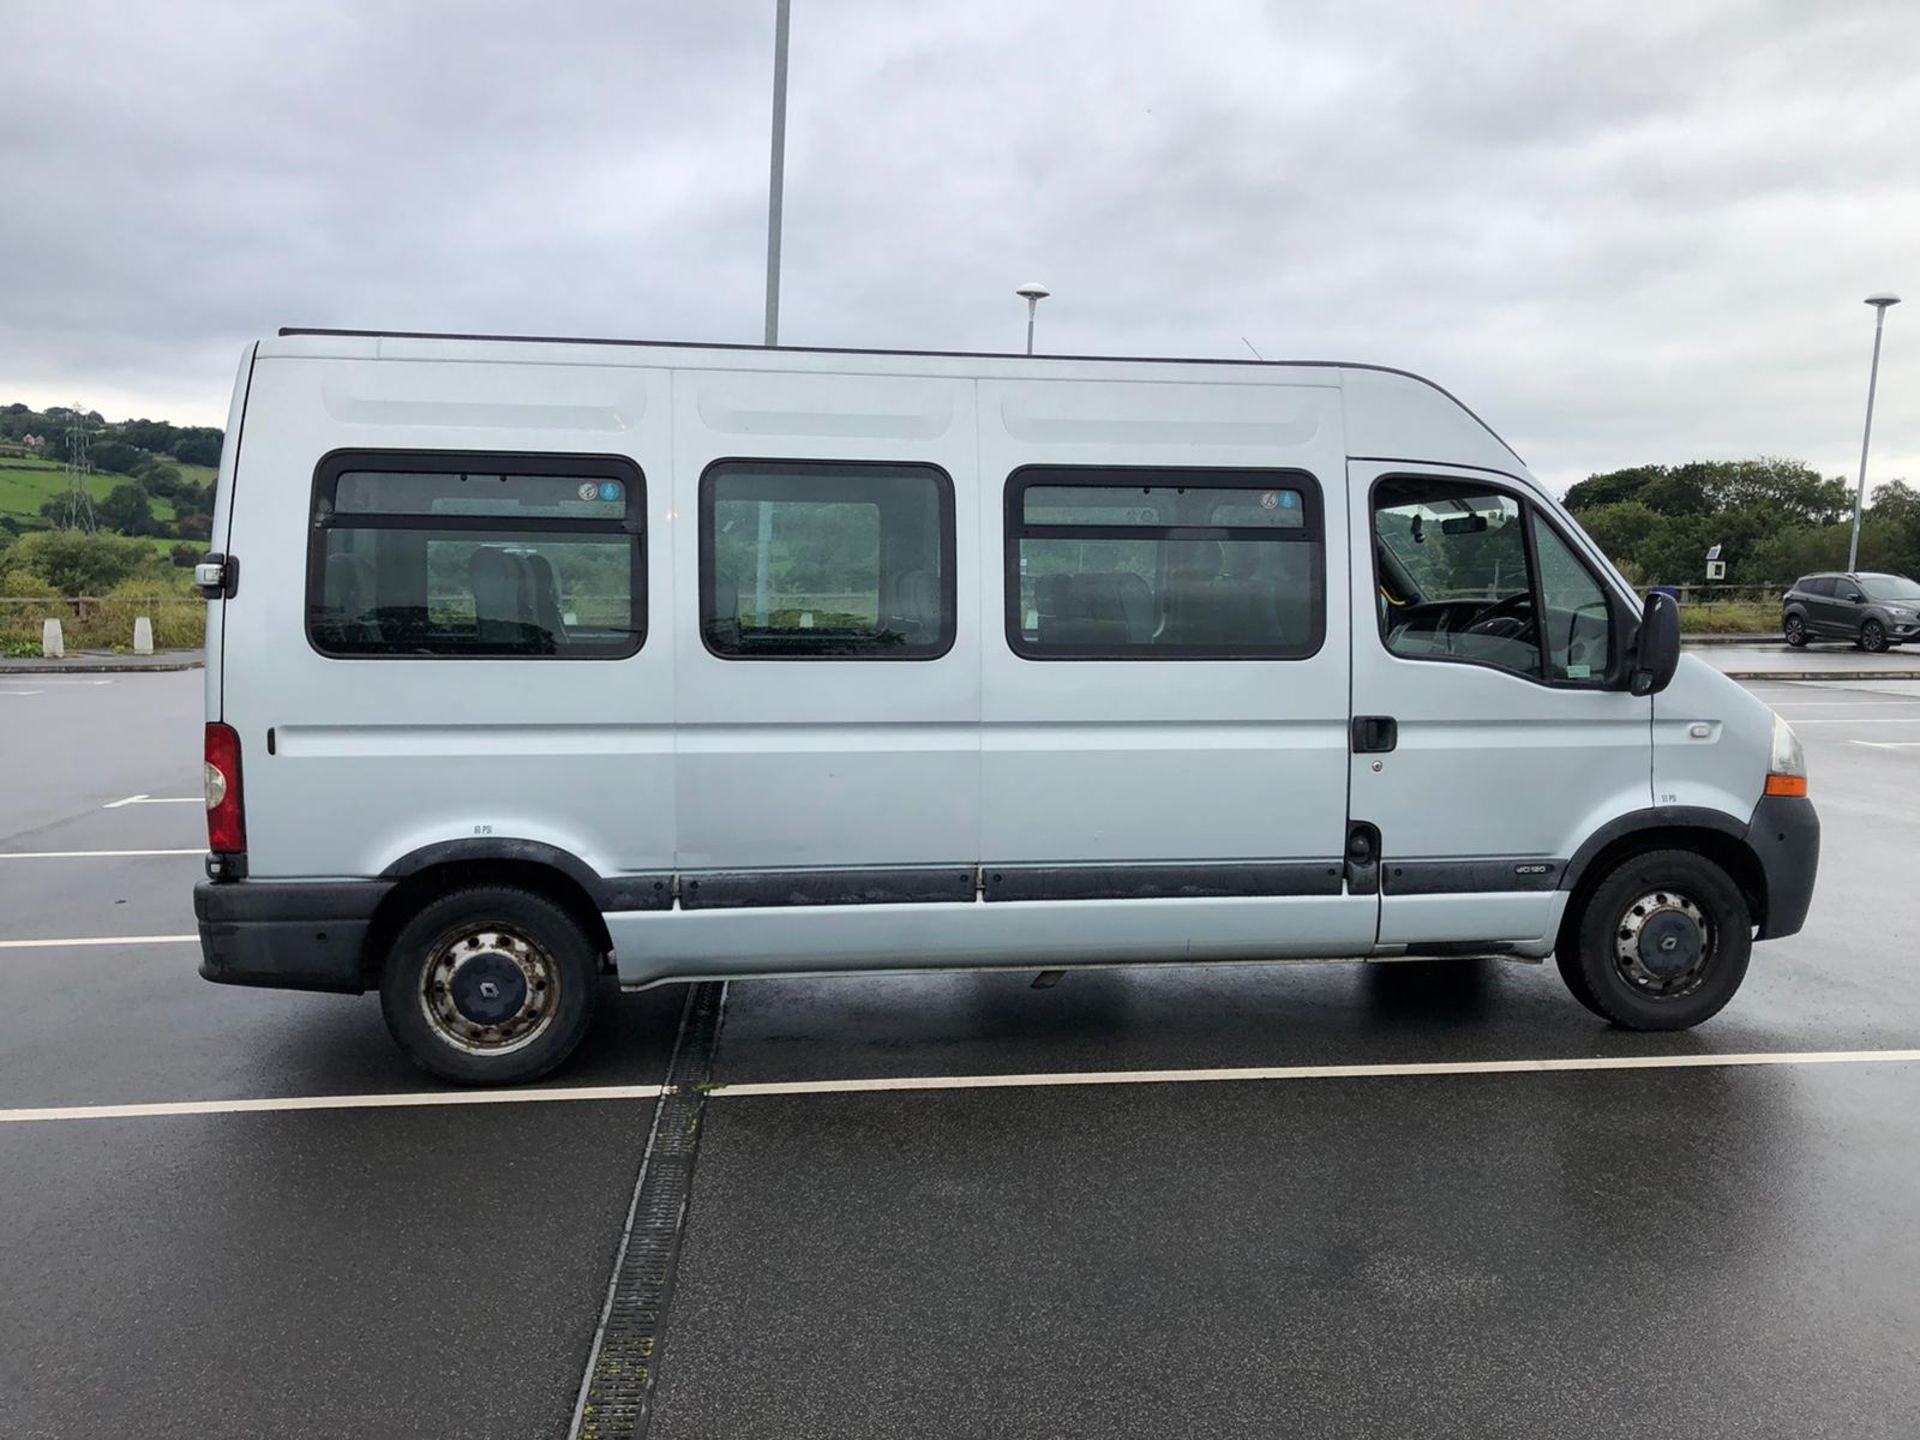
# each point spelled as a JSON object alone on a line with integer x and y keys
{"x": 143, "y": 636}
{"x": 52, "y": 644}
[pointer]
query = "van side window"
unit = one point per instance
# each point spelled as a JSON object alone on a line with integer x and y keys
{"x": 1131, "y": 563}
{"x": 1467, "y": 572}
{"x": 830, "y": 560}
{"x": 437, "y": 554}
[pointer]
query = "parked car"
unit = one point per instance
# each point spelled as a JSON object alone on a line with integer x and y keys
{"x": 1871, "y": 610}
{"x": 550, "y": 659}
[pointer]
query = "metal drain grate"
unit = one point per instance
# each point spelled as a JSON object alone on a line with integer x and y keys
{"x": 620, "y": 1370}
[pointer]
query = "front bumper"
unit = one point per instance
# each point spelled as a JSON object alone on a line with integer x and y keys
{"x": 289, "y": 935}
{"x": 1785, "y": 834}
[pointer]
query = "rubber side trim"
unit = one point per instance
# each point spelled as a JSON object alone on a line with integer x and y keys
{"x": 746, "y": 889}
{"x": 1485, "y": 875}
{"x": 1163, "y": 882}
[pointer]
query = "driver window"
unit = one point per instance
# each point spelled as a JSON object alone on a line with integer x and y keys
{"x": 1453, "y": 574}
{"x": 1578, "y": 620}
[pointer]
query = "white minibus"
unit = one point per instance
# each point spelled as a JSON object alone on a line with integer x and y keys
{"x": 532, "y": 662}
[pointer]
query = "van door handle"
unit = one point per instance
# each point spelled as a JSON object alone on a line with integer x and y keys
{"x": 1375, "y": 734}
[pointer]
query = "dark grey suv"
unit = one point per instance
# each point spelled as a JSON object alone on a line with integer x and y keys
{"x": 1873, "y": 611}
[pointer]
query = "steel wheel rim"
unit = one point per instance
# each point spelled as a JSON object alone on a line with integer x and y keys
{"x": 1872, "y": 636}
{"x": 1664, "y": 945}
{"x": 1795, "y": 628}
{"x": 489, "y": 990}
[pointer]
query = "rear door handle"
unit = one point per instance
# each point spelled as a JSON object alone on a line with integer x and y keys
{"x": 1375, "y": 734}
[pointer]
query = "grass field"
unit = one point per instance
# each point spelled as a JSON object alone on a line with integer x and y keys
{"x": 26, "y": 485}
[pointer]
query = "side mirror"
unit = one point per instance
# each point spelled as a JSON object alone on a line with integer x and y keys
{"x": 1656, "y": 652}
{"x": 1856, "y": 597}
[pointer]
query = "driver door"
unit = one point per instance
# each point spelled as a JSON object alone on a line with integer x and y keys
{"x": 1490, "y": 640}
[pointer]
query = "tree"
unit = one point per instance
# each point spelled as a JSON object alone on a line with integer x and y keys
{"x": 1612, "y": 487}
{"x": 114, "y": 456}
{"x": 160, "y": 481}
{"x": 127, "y": 510}
{"x": 198, "y": 447}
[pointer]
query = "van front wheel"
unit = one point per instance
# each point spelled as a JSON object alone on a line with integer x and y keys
{"x": 490, "y": 985}
{"x": 1662, "y": 944}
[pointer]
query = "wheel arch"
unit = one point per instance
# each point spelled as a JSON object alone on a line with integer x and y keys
{"x": 430, "y": 871}
{"x": 1709, "y": 833}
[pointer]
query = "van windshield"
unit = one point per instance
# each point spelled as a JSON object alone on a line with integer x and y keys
{"x": 1897, "y": 588}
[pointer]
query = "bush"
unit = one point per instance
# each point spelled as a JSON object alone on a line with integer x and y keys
{"x": 186, "y": 555}
{"x": 69, "y": 562}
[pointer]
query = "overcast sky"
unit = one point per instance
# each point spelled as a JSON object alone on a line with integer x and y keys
{"x": 1623, "y": 233}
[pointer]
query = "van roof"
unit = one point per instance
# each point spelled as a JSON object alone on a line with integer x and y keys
{"x": 1366, "y": 441}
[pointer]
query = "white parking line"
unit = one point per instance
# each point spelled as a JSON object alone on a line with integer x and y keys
{"x": 965, "y": 1082}
{"x": 332, "y": 1102}
{"x": 1865, "y": 720}
{"x": 22, "y": 692}
{"x": 1888, "y": 744}
{"x": 155, "y": 800}
{"x": 1319, "y": 1072}
{"x": 89, "y": 854}
{"x": 100, "y": 940}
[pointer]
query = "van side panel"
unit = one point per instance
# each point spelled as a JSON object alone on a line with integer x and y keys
{"x": 377, "y": 757}
{"x": 223, "y": 492}
{"x": 816, "y": 762}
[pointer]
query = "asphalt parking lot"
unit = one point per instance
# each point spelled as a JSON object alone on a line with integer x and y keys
{"x": 311, "y": 1239}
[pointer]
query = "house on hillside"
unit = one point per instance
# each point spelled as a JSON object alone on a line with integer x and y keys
{"x": 33, "y": 442}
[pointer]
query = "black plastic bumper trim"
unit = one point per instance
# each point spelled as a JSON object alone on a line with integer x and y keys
{"x": 286, "y": 935}
{"x": 1785, "y": 834}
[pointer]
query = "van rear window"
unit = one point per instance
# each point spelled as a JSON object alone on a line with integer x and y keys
{"x": 437, "y": 555}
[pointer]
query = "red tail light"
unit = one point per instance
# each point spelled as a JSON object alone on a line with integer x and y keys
{"x": 226, "y": 818}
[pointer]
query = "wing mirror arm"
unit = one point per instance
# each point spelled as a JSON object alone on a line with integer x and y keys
{"x": 1655, "y": 654}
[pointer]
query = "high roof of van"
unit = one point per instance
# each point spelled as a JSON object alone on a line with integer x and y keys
{"x": 1389, "y": 414}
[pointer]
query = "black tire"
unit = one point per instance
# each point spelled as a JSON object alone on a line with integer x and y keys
{"x": 1796, "y": 631}
{"x": 1695, "y": 897}
{"x": 1873, "y": 637}
{"x": 527, "y": 948}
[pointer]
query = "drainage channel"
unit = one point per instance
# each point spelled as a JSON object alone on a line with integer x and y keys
{"x": 617, "y": 1390}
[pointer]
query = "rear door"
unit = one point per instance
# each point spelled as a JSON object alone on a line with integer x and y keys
{"x": 1823, "y": 607}
{"x": 1486, "y": 746}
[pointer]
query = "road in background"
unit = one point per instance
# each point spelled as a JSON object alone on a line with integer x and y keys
{"x": 1700, "y": 1251}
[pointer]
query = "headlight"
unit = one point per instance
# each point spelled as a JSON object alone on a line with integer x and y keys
{"x": 1787, "y": 766}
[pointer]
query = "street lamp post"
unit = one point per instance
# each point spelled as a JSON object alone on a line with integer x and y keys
{"x": 776, "y": 170}
{"x": 1880, "y": 303}
{"x": 1033, "y": 295}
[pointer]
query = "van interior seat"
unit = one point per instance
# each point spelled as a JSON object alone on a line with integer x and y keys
{"x": 500, "y": 607}
{"x": 349, "y": 590}
{"x": 1097, "y": 607}
{"x": 543, "y": 593}
{"x": 910, "y": 608}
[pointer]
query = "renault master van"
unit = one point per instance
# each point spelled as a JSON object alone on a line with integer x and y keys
{"x": 531, "y": 662}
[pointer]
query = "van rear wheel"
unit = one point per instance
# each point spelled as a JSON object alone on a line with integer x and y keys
{"x": 489, "y": 985}
{"x": 1662, "y": 944}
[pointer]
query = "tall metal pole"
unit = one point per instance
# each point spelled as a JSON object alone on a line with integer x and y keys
{"x": 1033, "y": 304}
{"x": 1880, "y": 304}
{"x": 776, "y": 174}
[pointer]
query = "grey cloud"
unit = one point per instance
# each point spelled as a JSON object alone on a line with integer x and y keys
{"x": 1620, "y": 232}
